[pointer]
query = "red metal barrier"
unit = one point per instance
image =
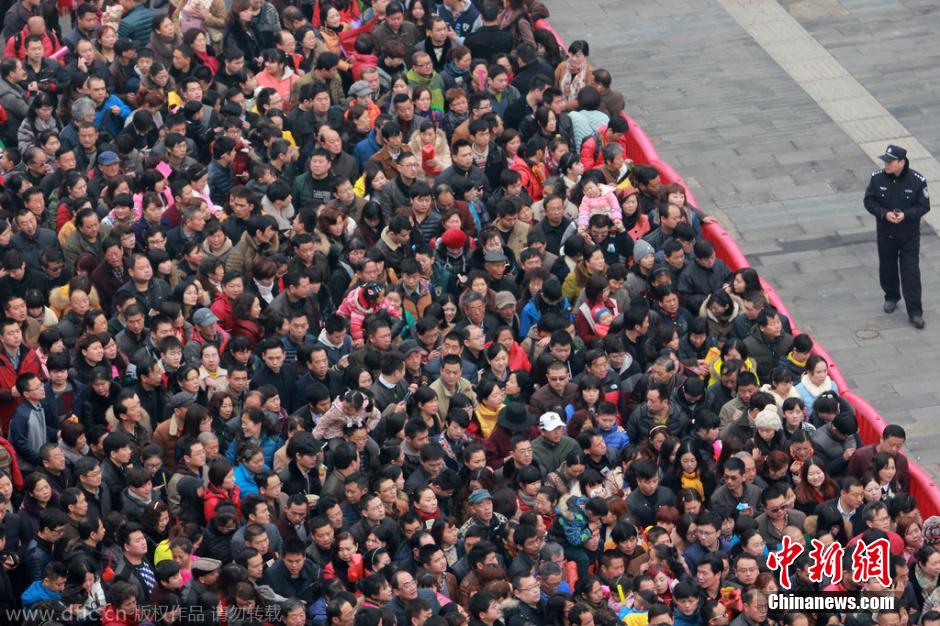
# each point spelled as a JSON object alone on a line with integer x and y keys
{"x": 639, "y": 147}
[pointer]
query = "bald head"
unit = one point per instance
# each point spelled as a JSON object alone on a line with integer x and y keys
{"x": 36, "y": 25}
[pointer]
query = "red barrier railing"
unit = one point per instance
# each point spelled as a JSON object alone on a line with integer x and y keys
{"x": 639, "y": 147}
{"x": 871, "y": 424}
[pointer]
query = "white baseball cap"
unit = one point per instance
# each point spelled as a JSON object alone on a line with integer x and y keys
{"x": 550, "y": 421}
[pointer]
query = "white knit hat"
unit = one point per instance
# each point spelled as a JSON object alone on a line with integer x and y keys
{"x": 768, "y": 418}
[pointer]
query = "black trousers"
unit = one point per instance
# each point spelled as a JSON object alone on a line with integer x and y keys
{"x": 900, "y": 256}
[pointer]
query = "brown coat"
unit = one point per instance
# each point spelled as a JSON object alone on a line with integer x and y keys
{"x": 167, "y": 435}
{"x": 383, "y": 158}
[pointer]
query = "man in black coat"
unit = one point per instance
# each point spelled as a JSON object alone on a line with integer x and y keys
{"x": 294, "y": 576}
{"x": 273, "y": 372}
{"x": 530, "y": 610}
{"x": 489, "y": 39}
{"x": 302, "y": 474}
{"x": 529, "y": 103}
{"x": 703, "y": 277}
{"x": 530, "y": 66}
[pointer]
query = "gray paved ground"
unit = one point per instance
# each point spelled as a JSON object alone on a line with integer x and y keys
{"x": 781, "y": 174}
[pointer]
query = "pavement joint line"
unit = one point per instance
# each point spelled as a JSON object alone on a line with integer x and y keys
{"x": 766, "y": 21}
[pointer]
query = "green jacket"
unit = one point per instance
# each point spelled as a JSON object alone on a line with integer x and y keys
{"x": 552, "y": 455}
{"x": 435, "y": 83}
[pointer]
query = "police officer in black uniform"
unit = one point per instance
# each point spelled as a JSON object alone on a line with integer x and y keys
{"x": 897, "y": 197}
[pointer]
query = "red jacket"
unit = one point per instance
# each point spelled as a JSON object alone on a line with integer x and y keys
{"x": 592, "y": 155}
{"x": 17, "y": 44}
{"x": 249, "y": 329}
{"x": 29, "y": 363}
{"x": 518, "y": 359}
{"x": 347, "y": 38}
{"x": 214, "y": 496}
{"x": 222, "y": 307}
{"x": 354, "y": 572}
{"x": 196, "y": 335}
{"x": 361, "y": 61}
{"x": 527, "y": 180}
{"x": 16, "y": 476}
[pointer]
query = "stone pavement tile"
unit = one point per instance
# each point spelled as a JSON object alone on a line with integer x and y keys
{"x": 852, "y": 109}
{"x": 862, "y": 352}
{"x": 763, "y": 247}
{"x": 831, "y": 263}
{"x": 804, "y": 190}
{"x": 867, "y": 273}
{"x": 784, "y": 257}
{"x": 801, "y": 282}
{"x": 910, "y": 401}
{"x": 880, "y": 391}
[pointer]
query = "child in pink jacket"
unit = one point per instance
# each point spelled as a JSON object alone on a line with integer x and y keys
{"x": 599, "y": 200}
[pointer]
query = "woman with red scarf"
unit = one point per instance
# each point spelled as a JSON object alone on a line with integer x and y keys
{"x": 425, "y": 506}
{"x": 199, "y": 42}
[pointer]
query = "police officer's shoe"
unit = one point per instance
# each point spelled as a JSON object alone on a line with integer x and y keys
{"x": 917, "y": 321}
{"x": 890, "y": 306}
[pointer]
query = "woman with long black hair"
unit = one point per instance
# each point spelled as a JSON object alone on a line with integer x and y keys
{"x": 40, "y": 117}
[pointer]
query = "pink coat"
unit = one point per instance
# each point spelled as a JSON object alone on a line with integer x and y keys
{"x": 606, "y": 203}
{"x": 353, "y": 310}
{"x": 281, "y": 85}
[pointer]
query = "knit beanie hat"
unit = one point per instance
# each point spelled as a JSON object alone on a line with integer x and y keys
{"x": 768, "y": 418}
{"x": 641, "y": 249}
{"x": 932, "y": 530}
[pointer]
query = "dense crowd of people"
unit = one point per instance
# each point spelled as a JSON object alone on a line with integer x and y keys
{"x": 358, "y": 313}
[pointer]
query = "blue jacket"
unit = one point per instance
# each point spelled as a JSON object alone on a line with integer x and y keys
{"x": 137, "y": 24}
{"x": 37, "y": 555}
{"x": 616, "y": 439}
{"x": 37, "y": 593}
{"x": 366, "y": 148}
{"x": 681, "y": 619}
{"x": 468, "y": 21}
{"x": 808, "y": 398}
{"x": 221, "y": 180}
{"x": 335, "y": 354}
{"x": 246, "y": 480}
{"x": 573, "y": 520}
{"x": 269, "y": 445}
{"x": 530, "y": 315}
{"x": 108, "y": 121}
{"x": 19, "y": 432}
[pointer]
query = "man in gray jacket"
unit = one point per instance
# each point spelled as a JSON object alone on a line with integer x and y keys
{"x": 13, "y": 97}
